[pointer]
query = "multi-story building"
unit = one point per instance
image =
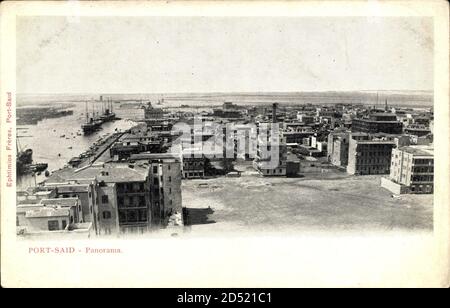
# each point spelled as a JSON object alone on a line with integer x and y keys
{"x": 297, "y": 136}
{"x": 306, "y": 118}
{"x": 151, "y": 112}
{"x": 193, "y": 166}
{"x": 266, "y": 163}
{"x": 135, "y": 143}
{"x": 369, "y": 156}
{"x": 130, "y": 196}
{"x": 378, "y": 123}
{"x": 412, "y": 170}
{"x": 418, "y": 130}
{"x": 295, "y": 126}
{"x": 337, "y": 149}
{"x": 165, "y": 177}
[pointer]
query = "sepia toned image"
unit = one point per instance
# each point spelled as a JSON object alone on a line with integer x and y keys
{"x": 174, "y": 128}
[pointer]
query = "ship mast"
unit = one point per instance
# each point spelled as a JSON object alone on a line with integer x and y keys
{"x": 17, "y": 145}
{"x": 87, "y": 112}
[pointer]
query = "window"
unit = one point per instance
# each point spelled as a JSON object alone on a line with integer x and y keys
{"x": 122, "y": 216}
{"x": 142, "y": 215}
{"x": 170, "y": 190}
{"x": 168, "y": 167}
{"x": 105, "y": 199}
{"x": 135, "y": 201}
{"x": 120, "y": 201}
{"x": 132, "y": 216}
{"x": 106, "y": 215}
{"x": 53, "y": 225}
{"x": 170, "y": 179}
{"x": 155, "y": 181}
{"x": 64, "y": 224}
{"x": 155, "y": 169}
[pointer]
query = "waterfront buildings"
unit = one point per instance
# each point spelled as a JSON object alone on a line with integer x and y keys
{"x": 129, "y": 197}
{"x": 228, "y": 110}
{"x": 151, "y": 112}
{"x": 138, "y": 186}
{"x": 135, "y": 143}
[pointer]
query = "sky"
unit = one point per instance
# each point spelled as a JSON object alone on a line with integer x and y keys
{"x": 223, "y": 54}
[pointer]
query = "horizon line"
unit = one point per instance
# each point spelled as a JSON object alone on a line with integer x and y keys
{"x": 226, "y": 92}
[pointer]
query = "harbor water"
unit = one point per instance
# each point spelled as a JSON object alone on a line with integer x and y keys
{"x": 56, "y": 140}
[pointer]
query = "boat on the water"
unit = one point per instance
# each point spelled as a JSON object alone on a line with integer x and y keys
{"x": 94, "y": 122}
{"x": 74, "y": 161}
{"x": 23, "y": 160}
{"x": 39, "y": 167}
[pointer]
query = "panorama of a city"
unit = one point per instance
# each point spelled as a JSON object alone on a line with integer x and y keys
{"x": 186, "y": 126}
{"x": 109, "y": 165}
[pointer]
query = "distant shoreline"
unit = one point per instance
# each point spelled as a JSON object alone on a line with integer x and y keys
{"x": 394, "y": 98}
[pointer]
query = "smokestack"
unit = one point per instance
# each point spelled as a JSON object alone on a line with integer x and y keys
{"x": 274, "y": 113}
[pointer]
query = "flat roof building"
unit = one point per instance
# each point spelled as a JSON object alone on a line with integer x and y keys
{"x": 412, "y": 170}
{"x": 369, "y": 156}
{"x": 378, "y": 123}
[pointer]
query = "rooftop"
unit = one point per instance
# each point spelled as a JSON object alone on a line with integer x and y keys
{"x": 22, "y": 208}
{"x": 108, "y": 172}
{"x": 47, "y": 212}
{"x": 419, "y": 150}
{"x": 59, "y": 201}
{"x": 151, "y": 156}
{"x": 379, "y": 141}
{"x": 67, "y": 187}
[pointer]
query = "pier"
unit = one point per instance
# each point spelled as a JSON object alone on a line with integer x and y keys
{"x": 101, "y": 153}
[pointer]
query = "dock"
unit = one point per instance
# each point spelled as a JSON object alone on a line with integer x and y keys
{"x": 101, "y": 153}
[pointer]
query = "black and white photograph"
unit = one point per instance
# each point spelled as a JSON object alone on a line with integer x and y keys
{"x": 181, "y": 127}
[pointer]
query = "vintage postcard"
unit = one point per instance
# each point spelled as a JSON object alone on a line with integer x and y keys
{"x": 225, "y": 144}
